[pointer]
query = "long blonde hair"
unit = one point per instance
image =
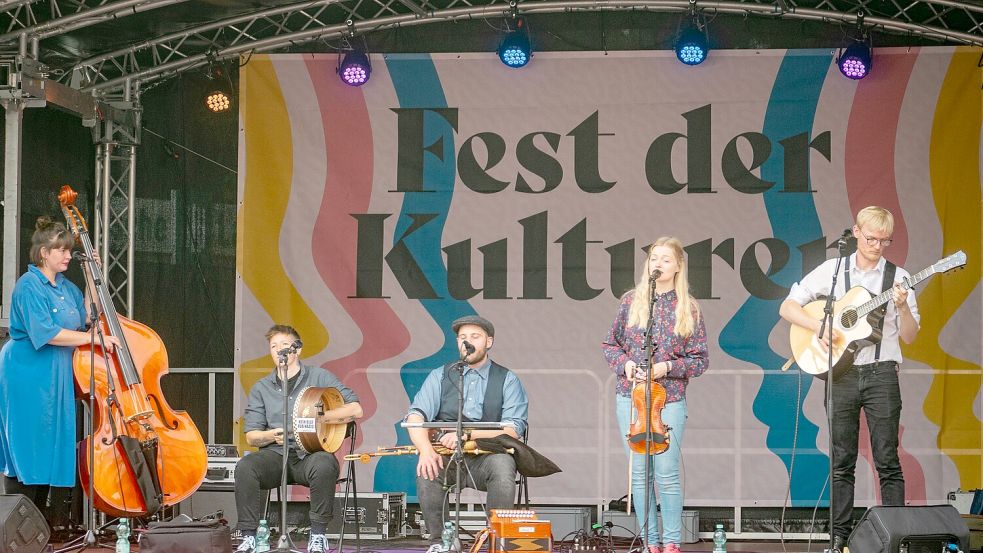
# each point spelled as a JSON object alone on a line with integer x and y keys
{"x": 687, "y": 309}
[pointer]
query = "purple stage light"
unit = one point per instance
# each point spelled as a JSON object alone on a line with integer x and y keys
{"x": 855, "y": 61}
{"x": 355, "y": 69}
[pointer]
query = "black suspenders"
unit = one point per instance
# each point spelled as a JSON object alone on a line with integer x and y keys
{"x": 889, "y": 271}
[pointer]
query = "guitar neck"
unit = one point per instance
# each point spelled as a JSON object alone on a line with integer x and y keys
{"x": 882, "y": 298}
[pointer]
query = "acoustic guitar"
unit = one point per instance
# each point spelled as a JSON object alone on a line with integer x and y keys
{"x": 856, "y": 318}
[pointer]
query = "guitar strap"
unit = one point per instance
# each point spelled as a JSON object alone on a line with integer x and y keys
{"x": 889, "y": 271}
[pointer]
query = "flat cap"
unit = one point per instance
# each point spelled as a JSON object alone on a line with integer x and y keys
{"x": 476, "y": 320}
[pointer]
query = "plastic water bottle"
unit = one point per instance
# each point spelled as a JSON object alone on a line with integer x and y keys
{"x": 719, "y": 539}
{"x": 447, "y": 537}
{"x": 123, "y": 536}
{"x": 262, "y": 537}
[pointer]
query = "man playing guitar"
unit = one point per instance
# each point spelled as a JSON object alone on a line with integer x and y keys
{"x": 872, "y": 381}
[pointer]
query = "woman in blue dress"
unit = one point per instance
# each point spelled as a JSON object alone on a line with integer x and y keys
{"x": 37, "y": 392}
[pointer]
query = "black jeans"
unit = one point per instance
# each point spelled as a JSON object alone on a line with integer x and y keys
{"x": 261, "y": 471}
{"x": 875, "y": 388}
{"x": 493, "y": 473}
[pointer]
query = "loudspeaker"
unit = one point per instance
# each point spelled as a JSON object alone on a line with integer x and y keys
{"x": 22, "y": 528}
{"x": 208, "y": 500}
{"x": 927, "y": 529}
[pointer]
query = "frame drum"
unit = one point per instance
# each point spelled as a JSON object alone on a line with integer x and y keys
{"x": 312, "y": 432}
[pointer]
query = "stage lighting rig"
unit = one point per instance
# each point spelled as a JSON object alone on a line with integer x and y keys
{"x": 692, "y": 45}
{"x": 857, "y": 59}
{"x": 354, "y": 68}
{"x": 515, "y": 49}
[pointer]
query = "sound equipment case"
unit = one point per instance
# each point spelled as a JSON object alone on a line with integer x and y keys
{"x": 380, "y": 516}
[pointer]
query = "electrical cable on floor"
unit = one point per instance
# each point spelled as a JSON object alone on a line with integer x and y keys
{"x": 791, "y": 464}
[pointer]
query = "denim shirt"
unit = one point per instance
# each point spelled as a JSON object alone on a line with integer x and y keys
{"x": 515, "y": 404}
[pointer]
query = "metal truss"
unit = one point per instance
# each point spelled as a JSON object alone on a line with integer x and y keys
{"x": 116, "y": 149}
{"x": 947, "y": 21}
{"x": 60, "y": 54}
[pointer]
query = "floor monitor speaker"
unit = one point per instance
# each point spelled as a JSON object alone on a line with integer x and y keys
{"x": 922, "y": 529}
{"x": 22, "y": 528}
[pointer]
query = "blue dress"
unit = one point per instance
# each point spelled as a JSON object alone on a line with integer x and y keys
{"x": 37, "y": 387}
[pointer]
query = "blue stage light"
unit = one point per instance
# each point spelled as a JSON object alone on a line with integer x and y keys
{"x": 515, "y": 50}
{"x": 692, "y": 47}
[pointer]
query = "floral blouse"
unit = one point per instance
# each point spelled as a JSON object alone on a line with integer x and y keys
{"x": 687, "y": 356}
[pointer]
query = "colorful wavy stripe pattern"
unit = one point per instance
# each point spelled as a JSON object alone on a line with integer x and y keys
{"x": 791, "y": 110}
{"x": 869, "y": 163}
{"x": 871, "y": 141}
{"x": 954, "y": 167}
{"x": 347, "y": 190}
{"x": 264, "y": 204}
{"x": 418, "y": 86}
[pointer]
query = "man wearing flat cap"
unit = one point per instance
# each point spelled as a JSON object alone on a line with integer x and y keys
{"x": 492, "y": 393}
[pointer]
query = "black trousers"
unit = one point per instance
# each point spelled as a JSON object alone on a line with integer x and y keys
{"x": 261, "y": 471}
{"x": 875, "y": 388}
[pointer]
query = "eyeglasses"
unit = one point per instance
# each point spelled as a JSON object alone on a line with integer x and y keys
{"x": 872, "y": 241}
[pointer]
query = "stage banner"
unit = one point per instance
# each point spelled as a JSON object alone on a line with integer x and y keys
{"x": 371, "y": 217}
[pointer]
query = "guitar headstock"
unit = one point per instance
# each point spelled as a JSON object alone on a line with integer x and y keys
{"x": 954, "y": 261}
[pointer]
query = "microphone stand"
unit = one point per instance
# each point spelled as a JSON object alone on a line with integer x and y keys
{"x": 458, "y": 457}
{"x": 649, "y": 354}
{"x": 90, "y": 539}
{"x": 284, "y": 543}
{"x": 826, "y": 328}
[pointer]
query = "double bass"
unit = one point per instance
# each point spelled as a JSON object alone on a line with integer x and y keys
{"x": 144, "y": 454}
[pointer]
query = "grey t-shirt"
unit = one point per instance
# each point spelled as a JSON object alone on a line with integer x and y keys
{"x": 264, "y": 410}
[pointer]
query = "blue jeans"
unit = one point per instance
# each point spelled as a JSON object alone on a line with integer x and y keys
{"x": 875, "y": 388}
{"x": 665, "y": 468}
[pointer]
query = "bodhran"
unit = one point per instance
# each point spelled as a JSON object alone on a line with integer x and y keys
{"x": 311, "y": 431}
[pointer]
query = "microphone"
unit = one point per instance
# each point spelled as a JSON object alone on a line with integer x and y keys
{"x": 292, "y": 348}
{"x": 845, "y": 237}
{"x": 468, "y": 348}
{"x": 655, "y": 275}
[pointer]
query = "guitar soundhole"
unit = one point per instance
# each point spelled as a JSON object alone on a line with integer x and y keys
{"x": 848, "y": 319}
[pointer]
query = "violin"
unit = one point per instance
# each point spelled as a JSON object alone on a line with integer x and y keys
{"x": 638, "y": 432}
{"x": 142, "y": 454}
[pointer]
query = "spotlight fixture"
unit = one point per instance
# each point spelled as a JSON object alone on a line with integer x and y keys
{"x": 855, "y": 62}
{"x": 354, "y": 68}
{"x": 692, "y": 47}
{"x": 220, "y": 87}
{"x": 515, "y": 49}
{"x": 217, "y": 101}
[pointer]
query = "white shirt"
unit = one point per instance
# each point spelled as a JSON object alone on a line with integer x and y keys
{"x": 816, "y": 285}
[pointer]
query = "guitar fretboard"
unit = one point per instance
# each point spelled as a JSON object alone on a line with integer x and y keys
{"x": 883, "y": 297}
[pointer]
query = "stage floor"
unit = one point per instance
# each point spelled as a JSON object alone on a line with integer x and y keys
{"x": 417, "y": 545}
